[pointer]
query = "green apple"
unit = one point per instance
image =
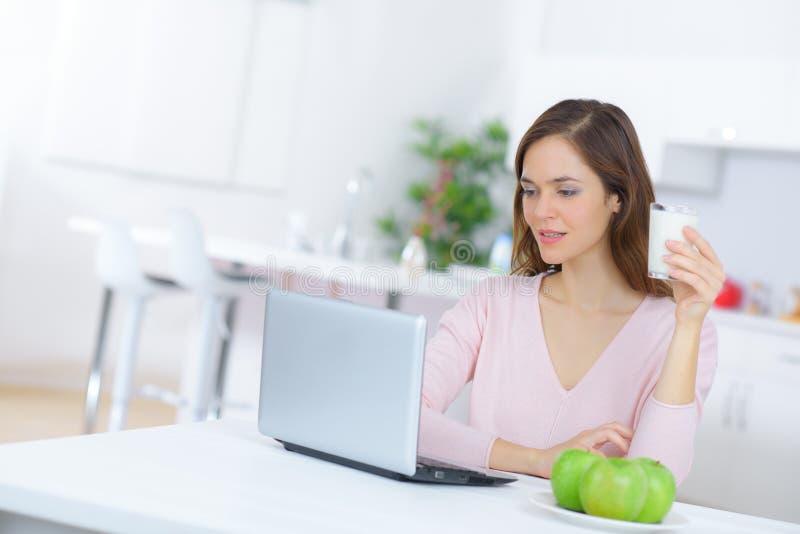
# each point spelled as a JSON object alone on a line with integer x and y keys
{"x": 566, "y": 476}
{"x": 660, "y": 491}
{"x": 615, "y": 488}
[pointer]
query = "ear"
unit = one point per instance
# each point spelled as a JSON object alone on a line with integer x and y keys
{"x": 614, "y": 203}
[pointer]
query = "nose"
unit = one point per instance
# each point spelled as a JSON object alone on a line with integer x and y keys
{"x": 543, "y": 208}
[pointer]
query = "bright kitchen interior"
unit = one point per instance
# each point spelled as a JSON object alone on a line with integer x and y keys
{"x": 285, "y": 123}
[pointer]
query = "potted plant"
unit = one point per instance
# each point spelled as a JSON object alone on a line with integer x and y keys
{"x": 453, "y": 201}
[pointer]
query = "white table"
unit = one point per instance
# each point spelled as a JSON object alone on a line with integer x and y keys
{"x": 377, "y": 277}
{"x": 223, "y": 476}
{"x": 350, "y": 278}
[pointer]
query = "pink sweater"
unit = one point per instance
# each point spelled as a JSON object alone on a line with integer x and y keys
{"x": 493, "y": 336}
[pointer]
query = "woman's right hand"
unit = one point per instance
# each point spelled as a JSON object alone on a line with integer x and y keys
{"x": 588, "y": 440}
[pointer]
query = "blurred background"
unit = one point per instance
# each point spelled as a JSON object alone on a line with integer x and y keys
{"x": 343, "y": 128}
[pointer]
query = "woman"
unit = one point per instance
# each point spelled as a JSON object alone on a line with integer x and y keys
{"x": 592, "y": 354}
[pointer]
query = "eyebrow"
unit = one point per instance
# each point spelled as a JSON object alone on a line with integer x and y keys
{"x": 560, "y": 179}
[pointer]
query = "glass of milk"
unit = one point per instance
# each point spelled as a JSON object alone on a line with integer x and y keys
{"x": 666, "y": 222}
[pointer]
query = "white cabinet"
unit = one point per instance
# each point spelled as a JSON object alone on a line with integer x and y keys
{"x": 697, "y": 164}
{"x": 149, "y": 87}
{"x": 694, "y": 103}
{"x": 767, "y": 422}
{"x": 745, "y": 448}
{"x": 711, "y": 478}
{"x": 767, "y": 426}
{"x": 639, "y": 86}
{"x": 198, "y": 91}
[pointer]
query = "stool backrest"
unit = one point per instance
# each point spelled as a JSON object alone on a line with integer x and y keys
{"x": 190, "y": 265}
{"x": 117, "y": 259}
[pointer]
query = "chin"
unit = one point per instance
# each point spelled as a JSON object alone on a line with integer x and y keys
{"x": 554, "y": 259}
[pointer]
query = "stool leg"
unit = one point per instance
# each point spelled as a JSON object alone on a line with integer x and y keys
{"x": 198, "y": 403}
{"x": 96, "y": 371}
{"x": 393, "y": 300}
{"x": 123, "y": 374}
{"x": 215, "y": 412}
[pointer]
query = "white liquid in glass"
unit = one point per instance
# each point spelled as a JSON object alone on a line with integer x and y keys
{"x": 666, "y": 222}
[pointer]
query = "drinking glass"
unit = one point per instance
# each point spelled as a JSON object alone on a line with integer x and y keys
{"x": 666, "y": 222}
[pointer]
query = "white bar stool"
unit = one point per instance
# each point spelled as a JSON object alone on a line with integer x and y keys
{"x": 192, "y": 269}
{"x": 117, "y": 265}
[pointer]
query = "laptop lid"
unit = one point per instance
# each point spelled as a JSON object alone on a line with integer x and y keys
{"x": 342, "y": 378}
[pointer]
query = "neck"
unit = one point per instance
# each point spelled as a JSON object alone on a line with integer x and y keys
{"x": 592, "y": 283}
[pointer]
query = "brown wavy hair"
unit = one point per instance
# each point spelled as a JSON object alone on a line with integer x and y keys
{"x": 604, "y": 136}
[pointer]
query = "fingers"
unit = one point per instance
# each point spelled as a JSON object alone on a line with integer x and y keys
{"x": 626, "y": 431}
{"x": 693, "y": 263}
{"x": 704, "y": 252}
{"x": 706, "y": 285}
{"x": 701, "y": 268}
{"x": 697, "y": 265}
{"x": 598, "y": 452}
{"x": 705, "y": 281}
{"x": 702, "y": 245}
{"x": 597, "y": 437}
{"x": 614, "y": 437}
{"x": 614, "y": 432}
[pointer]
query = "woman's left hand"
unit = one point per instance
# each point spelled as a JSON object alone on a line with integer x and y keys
{"x": 699, "y": 274}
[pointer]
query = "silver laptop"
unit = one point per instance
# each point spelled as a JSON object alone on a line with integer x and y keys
{"x": 343, "y": 382}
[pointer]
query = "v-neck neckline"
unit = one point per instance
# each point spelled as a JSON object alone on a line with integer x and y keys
{"x": 600, "y": 358}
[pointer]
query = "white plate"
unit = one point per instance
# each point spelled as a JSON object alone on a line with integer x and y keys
{"x": 547, "y": 501}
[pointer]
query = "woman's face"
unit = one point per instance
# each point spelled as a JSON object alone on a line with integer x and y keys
{"x": 560, "y": 193}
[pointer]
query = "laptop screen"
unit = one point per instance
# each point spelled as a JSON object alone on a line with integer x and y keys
{"x": 342, "y": 378}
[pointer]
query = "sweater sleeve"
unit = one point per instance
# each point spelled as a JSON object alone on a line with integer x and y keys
{"x": 450, "y": 359}
{"x": 665, "y": 432}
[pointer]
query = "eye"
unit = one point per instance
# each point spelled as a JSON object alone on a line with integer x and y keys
{"x": 528, "y": 192}
{"x": 568, "y": 192}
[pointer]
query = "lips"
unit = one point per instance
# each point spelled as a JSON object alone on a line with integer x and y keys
{"x": 550, "y": 236}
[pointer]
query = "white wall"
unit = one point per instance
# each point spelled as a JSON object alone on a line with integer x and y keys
{"x": 372, "y": 68}
{"x": 687, "y": 69}
{"x": 751, "y": 223}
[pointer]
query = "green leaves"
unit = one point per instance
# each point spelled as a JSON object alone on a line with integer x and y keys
{"x": 431, "y": 148}
{"x": 496, "y": 131}
{"x": 468, "y": 205}
{"x": 480, "y": 153}
{"x": 388, "y": 224}
{"x": 419, "y": 191}
{"x": 454, "y": 200}
{"x": 460, "y": 150}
